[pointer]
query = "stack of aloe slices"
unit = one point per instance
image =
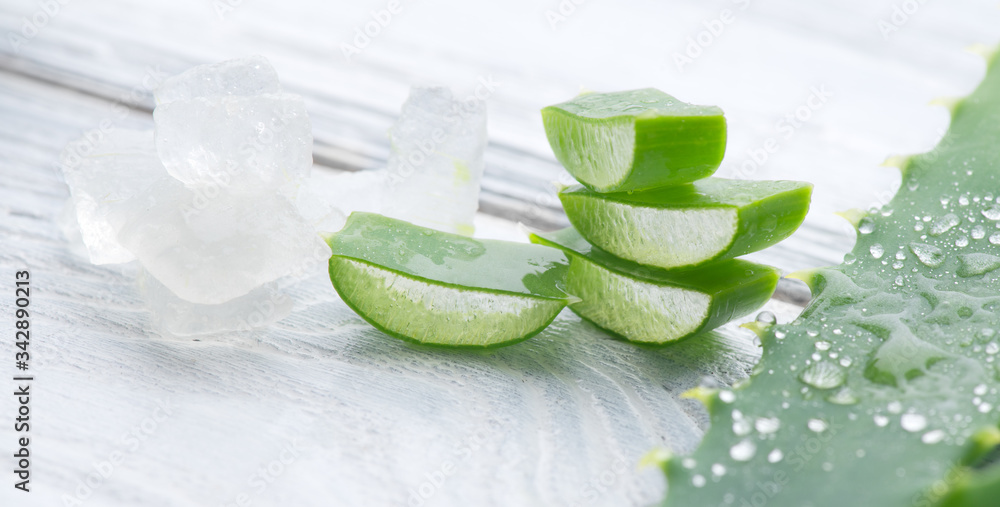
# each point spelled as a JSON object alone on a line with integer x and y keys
{"x": 653, "y": 240}
{"x": 651, "y": 256}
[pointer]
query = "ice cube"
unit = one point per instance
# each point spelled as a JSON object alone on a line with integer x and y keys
{"x": 173, "y": 316}
{"x": 347, "y": 191}
{"x": 247, "y": 144}
{"x": 313, "y": 202}
{"x": 210, "y": 249}
{"x": 253, "y": 75}
{"x": 436, "y": 160}
{"x": 102, "y": 171}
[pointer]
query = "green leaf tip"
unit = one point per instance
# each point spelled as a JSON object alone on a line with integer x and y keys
{"x": 758, "y": 328}
{"x": 853, "y": 216}
{"x": 987, "y": 51}
{"x": 950, "y": 103}
{"x": 810, "y": 277}
{"x": 706, "y": 395}
{"x": 659, "y": 457}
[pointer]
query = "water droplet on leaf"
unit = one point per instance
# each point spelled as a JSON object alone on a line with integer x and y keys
{"x": 743, "y": 451}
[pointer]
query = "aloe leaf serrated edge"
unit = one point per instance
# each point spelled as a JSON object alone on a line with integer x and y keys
{"x": 884, "y": 392}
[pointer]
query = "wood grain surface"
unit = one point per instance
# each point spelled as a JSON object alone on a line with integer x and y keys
{"x": 321, "y": 409}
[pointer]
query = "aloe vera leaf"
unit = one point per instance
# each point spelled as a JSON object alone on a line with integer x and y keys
{"x": 635, "y": 140}
{"x": 884, "y": 391}
{"x": 687, "y": 225}
{"x": 437, "y": 288}
{"x": 652, "y": 305}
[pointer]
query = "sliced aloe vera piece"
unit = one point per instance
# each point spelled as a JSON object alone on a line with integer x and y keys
{"x": 635, "y": 140}
{"x": 686, "y": 225}
{"x": 432, "y": 287}
{"x": 653, "y": 305}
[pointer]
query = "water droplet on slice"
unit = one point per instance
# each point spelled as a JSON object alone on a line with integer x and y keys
{"x": 975, "y": 264}
{"x": 767, "y": 425}
{"x": 962, "y": 241}
{"x": 718, "y": 470}
{"x": 823, "y": 375}
{"x": 698, "y": 481}
{"x": 913, "y": 422}
{"x": 822, "y": 345}
{"x": 766, "y": 317}
{"x": 727, "y": 396}
{"x": 688, "y": 463}
{"x": 895, "y": 407}
{"x": 944, "y": 224}
{"x": 985, "y": 334}
{"x": 845, "y": 362}
{"x": 933, "y": 437}
{"x": 843, "y": 397}
{"x": 992, "y": 213}
{"x": 880, "y": 420}
{"x": 978, "y": 232}
{"x": 928, "y": 255}
{"x": 741, "y": 427}
{"x": 743, "y": 451}
{"x": 980, "y": 390}
{"x": 995, "y": 238}
{"x": 775, "y": 456}
{"x": 876, "y": 251}
{"x": 866, "y": 225}
{"x": 993, "y": 348}
{"x": 817, "y": 425}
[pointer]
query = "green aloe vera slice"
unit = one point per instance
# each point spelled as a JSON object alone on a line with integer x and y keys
{"x": 635, "y": 140}
{"x": 432, "y": 287}
{"x": 686, "y": 225}
{"x": 653, "y": 305}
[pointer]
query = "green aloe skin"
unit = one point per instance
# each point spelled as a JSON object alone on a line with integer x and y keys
{"x": 884, "y": 392}
{"x": 651, "y": 305}
{"x": 686, "y": 225}
{"x": 635, "y": 140}
{"x": 436, "y": 288}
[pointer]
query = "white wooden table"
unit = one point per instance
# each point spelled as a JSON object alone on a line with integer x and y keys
{"x": 321, "y": 409}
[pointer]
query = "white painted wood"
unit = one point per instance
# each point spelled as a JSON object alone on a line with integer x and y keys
{"x": 540, "y": 423}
